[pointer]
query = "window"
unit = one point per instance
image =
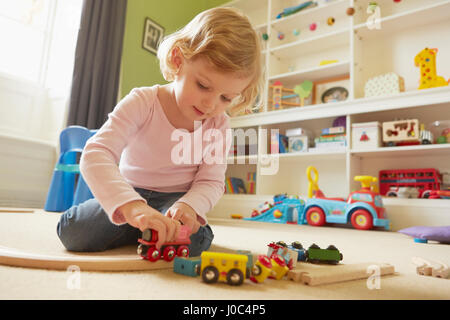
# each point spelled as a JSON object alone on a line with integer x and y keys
{"x": 36, "y": 65}
{"x": 38, "y": 41}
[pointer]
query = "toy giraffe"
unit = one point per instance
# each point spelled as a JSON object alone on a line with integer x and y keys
{"x": 426, "y": 60}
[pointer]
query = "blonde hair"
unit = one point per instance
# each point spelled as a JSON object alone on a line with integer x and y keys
{"x": 225, "y": 37}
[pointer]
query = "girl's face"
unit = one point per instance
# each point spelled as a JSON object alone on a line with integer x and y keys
{"x": 201, "y": 91}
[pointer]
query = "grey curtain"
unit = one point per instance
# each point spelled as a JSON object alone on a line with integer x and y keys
{"x": 98, "y": 53}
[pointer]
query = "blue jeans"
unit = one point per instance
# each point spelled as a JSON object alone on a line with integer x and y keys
{"x": 87, "y": 228}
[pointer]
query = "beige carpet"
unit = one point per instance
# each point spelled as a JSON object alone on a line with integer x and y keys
{"x": 35, "y": 232}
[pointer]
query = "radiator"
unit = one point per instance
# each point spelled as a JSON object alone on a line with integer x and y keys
{"x": 26, "y": 168}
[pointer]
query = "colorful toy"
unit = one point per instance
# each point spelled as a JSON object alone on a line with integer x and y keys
{"x": 331, "y": 21}
{"x": 224, "y": 267}
{"x": 279, "y": 267}
{"x": 281, "y": 249}
{"x": 330, "y": 255}
{"x": 291, "y": 10}
{"x": 262, "y": 269}
{"x": 424, "y": 181}
{"x": 426, "y": 60}
{"x": 147, "y": 249}
{"x": 313, "y": 26}
{"x": 187, "y": 266}
{"x": 297, "y": 246}
{"x": 290, "y": 207}
{"x": 405, "y": 133}
{"x": 363, "y": 208}
{"x": 301, "y": 92}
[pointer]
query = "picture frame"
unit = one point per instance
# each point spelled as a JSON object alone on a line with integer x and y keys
{"x": 152, "y": 36}
{"x": 331, "y": 90}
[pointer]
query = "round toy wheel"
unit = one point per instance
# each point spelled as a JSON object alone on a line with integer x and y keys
{"x": 183, "y": 251}
{"x": 210, "y": 274}
{"x": 142, "y": 250}
{"x": 235, "y": 277}
{"x": 169, "y": 253}
{"x": 153, "y": 254}
{"x": 256, "y": 270}
{"x": 362, "y": 220}
{"x": 315, "y": 217}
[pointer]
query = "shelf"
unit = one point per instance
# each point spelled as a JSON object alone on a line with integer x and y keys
{"x": 402, "y": 100}
{"x": 432, "y": 13}
{"x": 315, "y": 73}
{"x": 322, "y": 42}
{"x": 310, "y": 156}
{"x": 418, "y": 203}
{"x": 405, "y": 151}
{"x": 252, "y": 159}
{"x": 316, "y": 13}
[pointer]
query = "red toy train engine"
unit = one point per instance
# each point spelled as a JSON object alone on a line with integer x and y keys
{"x": 179, "y": 247}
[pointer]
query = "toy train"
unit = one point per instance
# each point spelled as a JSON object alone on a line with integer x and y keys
{"x": 169, "y": 250}
{"x": 314, "y": 254}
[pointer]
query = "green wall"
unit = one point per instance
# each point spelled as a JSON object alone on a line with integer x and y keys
{"x": 139, "y": 66}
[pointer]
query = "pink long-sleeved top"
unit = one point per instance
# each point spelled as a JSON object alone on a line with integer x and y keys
{"x": 138, "y": 147}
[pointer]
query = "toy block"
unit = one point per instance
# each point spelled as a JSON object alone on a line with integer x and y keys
{"x": 186, "y": 266}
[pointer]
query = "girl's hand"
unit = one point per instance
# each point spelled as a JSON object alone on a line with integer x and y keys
{"x": 140, "y": 215}
{"x": 185, "y": 214}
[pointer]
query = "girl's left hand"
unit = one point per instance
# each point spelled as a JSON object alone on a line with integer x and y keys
{"x": 185, "y": 214}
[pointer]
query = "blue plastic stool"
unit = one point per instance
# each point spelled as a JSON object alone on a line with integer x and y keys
{"x": 62, "y": 193}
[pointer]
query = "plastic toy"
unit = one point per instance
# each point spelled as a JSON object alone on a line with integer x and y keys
{"x": 262, "y": 269}
{"x": 424, "y": 181}
{"x": 331, "y": 21}
{"x": 147, "y": 249}
{"x": 313, "y": 26}
{"x": 426, "y": 60}
{"x": 224, "y": 267}
{"x": 290, "y": 207}
{"x": 291, "y": 10}
{"x": 330, "y": 255}
{"x": 363, "y": 208}
{"x": 187, "y": 266}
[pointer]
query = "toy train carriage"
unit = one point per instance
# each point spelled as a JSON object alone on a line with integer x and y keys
{"x": 223, "y": 267}
{"x": 169, "y": 250}
{"x": 330, "y": 255}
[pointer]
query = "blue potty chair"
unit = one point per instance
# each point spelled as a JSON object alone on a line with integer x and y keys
{"x": 65, "y": 191}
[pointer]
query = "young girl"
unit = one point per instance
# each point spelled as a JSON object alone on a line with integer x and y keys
{"x": 214, "y": 67}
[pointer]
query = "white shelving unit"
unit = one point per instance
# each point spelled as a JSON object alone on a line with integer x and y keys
{"x": 406, "y": 28}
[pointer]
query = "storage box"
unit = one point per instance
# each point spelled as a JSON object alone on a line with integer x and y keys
{"x": 299, "y": 143}
{"x": 366, "y": 135}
